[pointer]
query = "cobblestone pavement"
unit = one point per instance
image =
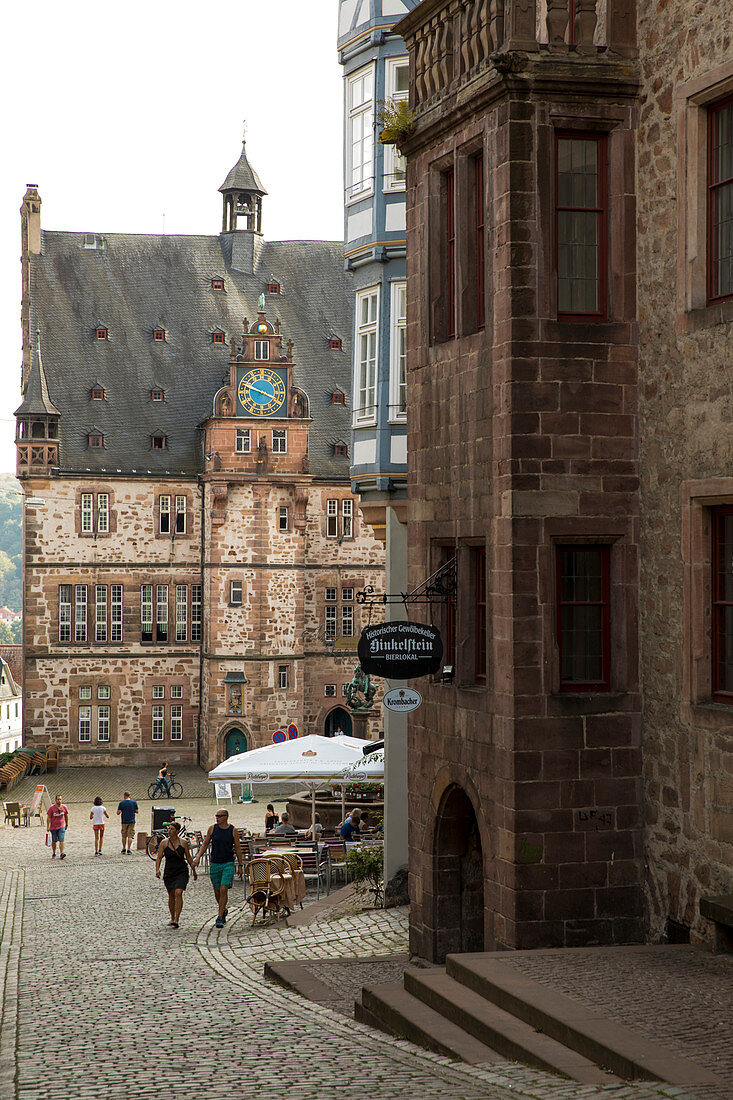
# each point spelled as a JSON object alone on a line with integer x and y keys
{"x": 102, "y": 1001}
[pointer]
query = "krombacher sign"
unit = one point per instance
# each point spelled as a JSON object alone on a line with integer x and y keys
{"x": 400, "y": 650}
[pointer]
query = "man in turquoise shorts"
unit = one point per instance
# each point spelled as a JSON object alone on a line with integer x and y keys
{"x": 224, "y": 841}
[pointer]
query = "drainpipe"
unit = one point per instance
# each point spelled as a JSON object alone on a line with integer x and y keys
{"x": 202, "y": 489}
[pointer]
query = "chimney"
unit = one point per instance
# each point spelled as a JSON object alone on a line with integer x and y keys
{"x": 31, "y": 214}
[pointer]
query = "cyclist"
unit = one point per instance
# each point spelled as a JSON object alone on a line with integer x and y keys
{"x": 162, "y": 779}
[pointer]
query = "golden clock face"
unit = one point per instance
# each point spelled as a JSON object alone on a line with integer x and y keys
{"x": 261, "y": 392}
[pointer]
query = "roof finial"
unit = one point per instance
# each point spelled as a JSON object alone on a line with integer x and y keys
{"x": 244, "y": 131}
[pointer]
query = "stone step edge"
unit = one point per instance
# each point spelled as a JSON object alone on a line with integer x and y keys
{"x": 298, "y": 979}
{"x": 500, "y": 1030}
{"x": 623, "y": 1051}
{"x": 391, "y": 1008}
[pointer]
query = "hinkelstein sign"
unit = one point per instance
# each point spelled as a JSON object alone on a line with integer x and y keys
{"x": 400, "y": 650}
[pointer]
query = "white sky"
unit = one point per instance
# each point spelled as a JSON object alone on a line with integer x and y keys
{"x": 125, "y": 113}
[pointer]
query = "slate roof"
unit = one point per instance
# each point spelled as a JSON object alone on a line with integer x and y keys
{"x": 36, "y": 401}
{"x": 140, "y": 282}
{"x": 242, "y": 177}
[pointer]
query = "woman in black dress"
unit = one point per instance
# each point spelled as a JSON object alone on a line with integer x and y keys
{"x": 177, "y": 856}
{"x": 271, "y": 817}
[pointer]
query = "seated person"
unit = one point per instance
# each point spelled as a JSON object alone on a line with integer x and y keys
{"x": 284, "y": 828}
{"x": 351, "y": 828}
{"x": 319, "y": 829}
{"x": 365, "y": 825}
{"x": 271, "y": 818}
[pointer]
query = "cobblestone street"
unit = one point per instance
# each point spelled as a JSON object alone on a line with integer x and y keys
{"x": 101, "y": 1000}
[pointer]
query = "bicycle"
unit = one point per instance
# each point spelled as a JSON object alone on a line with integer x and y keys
{"x": 157, "y": 788}
{"x": 162, "y": 834}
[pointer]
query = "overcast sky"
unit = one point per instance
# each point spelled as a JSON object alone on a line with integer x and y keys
{"x": 128, "y": 118}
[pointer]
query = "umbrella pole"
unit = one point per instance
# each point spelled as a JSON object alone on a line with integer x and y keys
{"x": 313, "y": 816}
{"x": 343, "y": 802}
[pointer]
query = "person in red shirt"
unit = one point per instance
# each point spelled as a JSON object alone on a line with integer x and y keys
{"x": 57, "y": 822}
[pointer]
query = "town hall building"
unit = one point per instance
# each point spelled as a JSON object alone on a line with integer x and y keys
{"x": 192, "y": 546}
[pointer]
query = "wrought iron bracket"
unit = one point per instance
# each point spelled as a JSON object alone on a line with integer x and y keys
{"x": 439, "y": 587}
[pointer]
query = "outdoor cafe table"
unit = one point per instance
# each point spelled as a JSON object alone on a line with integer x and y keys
{"x": 294, "y": 882}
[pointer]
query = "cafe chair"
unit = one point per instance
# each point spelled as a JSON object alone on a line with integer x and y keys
{"x": 266, "y": 889}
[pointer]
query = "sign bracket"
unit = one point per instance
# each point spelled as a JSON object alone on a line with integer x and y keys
{"x": 439, "y": 587}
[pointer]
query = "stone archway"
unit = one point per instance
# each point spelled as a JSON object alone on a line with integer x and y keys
{"x": 233, "y": 739}
{"x": 458, "y": 875}
{"x": 337, "y": 719}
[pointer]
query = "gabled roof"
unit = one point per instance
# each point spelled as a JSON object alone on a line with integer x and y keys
{"x": 242, "y": 177}
{"x": 37, "y": 401}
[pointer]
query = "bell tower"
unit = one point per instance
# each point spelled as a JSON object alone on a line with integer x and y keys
{"x": 242, "y": 193}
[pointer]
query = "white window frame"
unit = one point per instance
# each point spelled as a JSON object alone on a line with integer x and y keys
{"x": 176, "y": 691}
{"x": 104, "y": 691}
{"x": 196, "y": 612}
{"x": 180, "y": 516}
{"x": 244, "y": 437}
{"x": 347, "y": 518}
{"x": 283, "y": 518}
{"x": 100, "y": 613}
{"x": 329, "y": 629}
{"x": 161, "y": 611}
{"x": 262, "y": 350}
{"x": 332, "y": 519}
{"x": 347, "y": 593}
{"x": 347, "y": 621}
{"x": 116, "y": 597}
{"x": 392, "y": 158}
{"x": 235, "y": 593}
{"x": 158, "y": 723}
{"x": 80, "y": 613}
{"x": 360, "y": 144}
{"x": 329, "y": 690}
{"x": 279, "y": 436}
{"x": 181, "y": 612}
{"x": 64, "y": 612}
{"x": 282, "y": 676}
{"x": 103, "y": 513}
{"x": 366, "y": 356}
{"x": 104, "y": 714}
{"x": 176, "y": 722}
{"x": 398, "y": 352}
{"x": 85, "y": 691}
{"x": 146, "y": 610}
{"x": 87, "y": 513}
{"x": 331, "y": 594}
{"x": 85, "y": 723}
{"x": 164, "y": 514}
{"x": 158, "y": 691}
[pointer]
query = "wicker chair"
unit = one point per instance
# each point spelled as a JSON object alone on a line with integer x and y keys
{"x": 266, "y": 888}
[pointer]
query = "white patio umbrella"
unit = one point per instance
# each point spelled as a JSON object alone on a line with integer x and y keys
{"x": 311, "y": 760}
{"x": 366, "y": 769}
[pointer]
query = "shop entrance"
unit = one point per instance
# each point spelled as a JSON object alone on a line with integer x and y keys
{"x": 338, "y": 720}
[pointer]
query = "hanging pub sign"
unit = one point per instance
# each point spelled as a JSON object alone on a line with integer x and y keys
{"x": 400, "y": 650}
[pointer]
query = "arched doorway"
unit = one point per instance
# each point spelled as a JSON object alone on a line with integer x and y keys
{"x": 235, "y": 742}
{"x": 458, "y": 877}
{"x": 337, "y": 721}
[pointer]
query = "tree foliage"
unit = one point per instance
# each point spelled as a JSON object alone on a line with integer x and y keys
{"x": 11, "y": 537}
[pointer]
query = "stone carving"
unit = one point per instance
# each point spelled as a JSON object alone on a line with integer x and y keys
{"x": 360, "y": 691}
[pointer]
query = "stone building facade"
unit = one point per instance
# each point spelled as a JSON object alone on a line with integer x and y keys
{"x": 192, "y": 549}
{"x": 570, "y": 298}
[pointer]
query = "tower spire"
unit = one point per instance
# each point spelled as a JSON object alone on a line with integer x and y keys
{"x": 242, "y": 193}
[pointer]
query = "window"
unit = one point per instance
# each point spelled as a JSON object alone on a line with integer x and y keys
{"x": 85, "y": 691}
{"x": 335, "y": 345}
{"x": 196, "y": 612}
{"x": 158, "y": 335}
{"x": 720, "y": 200}
{"x": 164, "y": 506}
{"x": 449, "y": 221}
{"x": 235, "y": 593}
{"x": 282, "y": 676}
{"x": 360, "y": 142}
{"x": 159, "y": 442}
{"x": 176, "y": 691}
{"x": 398, "y": 350}
{"x": 158, "y": 692}
{"x": 340, "y": 450}
{"x": 478, "y": 239}
{"x": 331, "y": 594}
{"x": 581, "y": 225}
{"x": 146, "y": 613}
{"x": 283, "y": 523}
{"x": 343, "y": 690}
{"x": 116, "y": 607}
{"x": 329, "y": 690}
{"x": 583, "y": 617}
{"x": 87, "y": 513}
{"x": 158, "y": 722}
{"x": 722, "y": 596}
{"x": 85, "y": 723}
{"x": 100, "y": 618}
{"x": 479, "y": 614}
{"x": 332, "y": 519}
{"x": 330, "y": 627}
{"x": 262, "y": 349}
{"x": 347, "y": 622}
{"x": 100, "y": 333}
{"x": 95, "y": 441}
{"x": 103, "y": 513}
{"x": 181, "y": 612}
{"x": 217, "y": 284}
{"x": 104, "y": 691}
{"x": 397, "y": 81}
{"x": 347, "y": 593}
{"x": 97, "y": 394}
{"x": 80, "y": 613}
{"x": 217, "y": 338}
{"x": 161, "y": 621}
{"x": 365, "y": 384}
{"x": 180, "y": 503}
{"x": 279, "y": 441}
{"x": 347, "y": 518}
{"x": 157, "y": 395}
{"x": 103, "y": 722}
{"x": 177, "y": 722}
{"x": 338, "y": 398}
{"x": 273, "y": 288}
{"x": 244, "y": 441}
